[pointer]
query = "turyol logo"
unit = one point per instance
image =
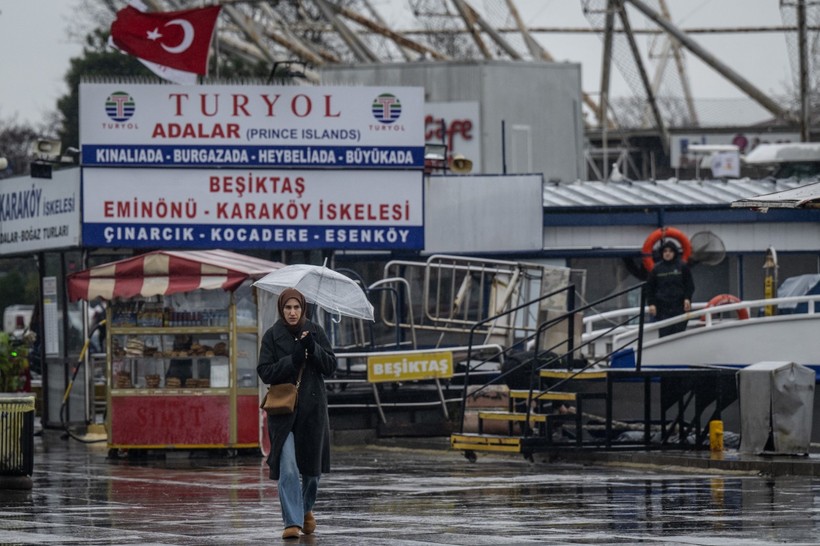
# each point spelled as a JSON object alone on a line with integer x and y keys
{"x": 386, "y": 108}
{"x": 120, "y": 106}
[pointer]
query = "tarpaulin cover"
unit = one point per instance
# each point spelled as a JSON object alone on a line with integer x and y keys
{"x": 776, "y": 407}
{"x": 800, "y": 285}
{"x": 165, "y": 272}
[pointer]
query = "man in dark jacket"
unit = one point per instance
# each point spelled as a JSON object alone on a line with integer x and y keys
{"x": 300, "y": 441}
{"x": 669, "y": 289}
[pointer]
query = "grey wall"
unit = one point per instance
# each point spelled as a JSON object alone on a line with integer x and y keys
{"x": 482, "y": 213}
{"x": 539, "y": 105}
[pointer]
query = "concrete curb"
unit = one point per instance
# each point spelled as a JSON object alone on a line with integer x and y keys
{"x": 688, "y": 461}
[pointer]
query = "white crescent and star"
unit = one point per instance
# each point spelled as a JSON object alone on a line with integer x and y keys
{"x": 187, "y": 37}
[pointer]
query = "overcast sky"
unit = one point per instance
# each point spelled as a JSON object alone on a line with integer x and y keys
{"x": 36, "y": 47}
{"x": 35, "y": 52}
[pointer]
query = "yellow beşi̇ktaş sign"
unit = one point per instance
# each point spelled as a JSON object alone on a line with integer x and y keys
{"x": 409, "y": 367}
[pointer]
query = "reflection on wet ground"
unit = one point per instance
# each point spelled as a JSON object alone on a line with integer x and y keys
{"x": 396, "y": 496}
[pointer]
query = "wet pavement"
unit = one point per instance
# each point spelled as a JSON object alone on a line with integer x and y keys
{"x": 392, "y": 494}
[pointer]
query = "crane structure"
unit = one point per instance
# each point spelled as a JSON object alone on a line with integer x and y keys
{"x": 318, "y": 33}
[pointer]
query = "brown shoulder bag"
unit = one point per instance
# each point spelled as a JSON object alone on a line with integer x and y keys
{"x": 281, "y": 399}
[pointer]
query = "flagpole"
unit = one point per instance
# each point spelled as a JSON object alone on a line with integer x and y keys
{"x": 215, "y": 38}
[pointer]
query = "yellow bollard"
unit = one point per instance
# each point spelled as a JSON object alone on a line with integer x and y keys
{"x": 716, "y": 435}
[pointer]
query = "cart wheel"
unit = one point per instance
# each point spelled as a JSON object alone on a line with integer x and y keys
{"x": 113, "y": 453}
{"x": 470, "y": 456}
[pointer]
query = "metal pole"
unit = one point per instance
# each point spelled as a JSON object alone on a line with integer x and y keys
{"x": 571, "y": 326}
{"x": 503, "y": 147}
{"x": 641, "y": 322}
{"x": 604, "y": 100}
{"x": 468, "y": 16}
{"x": 804, "y": 71}
{"x": 650, "y": 95}
{"x": 684, "y": 78}
{"x": 740, "y": 279}
{"x": 744, "y": 85}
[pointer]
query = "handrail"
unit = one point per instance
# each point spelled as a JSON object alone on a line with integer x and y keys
{"x": 475, "y": 327}
{"x": 569, "y": 315}
{"x": 607, "y": 316}
{"x": 455, "y": 349}
{"x": 378, "y": 285}
{"x": 709, "y": 312}
{"x": 394, "y": 293}
{"x": 568, "y": 355}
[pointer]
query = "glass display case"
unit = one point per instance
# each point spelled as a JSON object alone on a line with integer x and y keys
{"x": 181, "y": 370}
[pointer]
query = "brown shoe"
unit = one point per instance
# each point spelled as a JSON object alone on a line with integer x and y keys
{"x": 310, "y": 524}
{"x": 291, "y": 532}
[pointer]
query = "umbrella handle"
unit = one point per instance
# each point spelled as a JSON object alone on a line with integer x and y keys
{"x": 334, "y": 313}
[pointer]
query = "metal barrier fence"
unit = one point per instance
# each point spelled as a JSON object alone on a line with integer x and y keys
{"x": 354, "y": 369}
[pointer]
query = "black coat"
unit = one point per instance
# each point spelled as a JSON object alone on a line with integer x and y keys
{"x": 669, "y": 283}
{"x": 309, "y": 423}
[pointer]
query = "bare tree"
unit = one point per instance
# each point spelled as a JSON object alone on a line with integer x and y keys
{"x": 15, "y": 141}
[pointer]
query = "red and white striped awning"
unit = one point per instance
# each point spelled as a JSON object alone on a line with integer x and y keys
{"x": 167, "y": 272}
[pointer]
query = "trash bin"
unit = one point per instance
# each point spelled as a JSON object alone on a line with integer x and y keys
{"x": 776, "y": 406}
{"x": 16, "y": 440}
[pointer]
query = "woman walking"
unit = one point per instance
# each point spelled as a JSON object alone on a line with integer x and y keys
{"x": 300, "y": 441}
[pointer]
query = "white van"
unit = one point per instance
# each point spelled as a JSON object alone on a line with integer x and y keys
{"x": 16, "y": 319}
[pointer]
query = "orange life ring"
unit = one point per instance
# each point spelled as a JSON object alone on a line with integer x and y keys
{"x": 724, "y": 299}
{"x": 660, "y": 234}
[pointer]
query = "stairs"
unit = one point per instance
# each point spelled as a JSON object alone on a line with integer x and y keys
{"x": 556, "y": 418}
{"x": 666, "y": 406}
{"x": 556, "y": 413}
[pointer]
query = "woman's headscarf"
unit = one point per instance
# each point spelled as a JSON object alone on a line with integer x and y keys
{"x": 290, "y": 294}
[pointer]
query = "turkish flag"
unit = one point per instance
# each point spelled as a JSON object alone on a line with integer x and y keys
{"x": 175, "y": 39}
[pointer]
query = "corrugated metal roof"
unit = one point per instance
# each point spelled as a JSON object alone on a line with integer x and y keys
{"x": 643, "y": 193}
{"x": 806, "y": 196}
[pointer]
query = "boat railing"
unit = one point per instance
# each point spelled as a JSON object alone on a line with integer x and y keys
{"x": 701, "y": 317}
{"x": 600, "y": 329}
{"x": 592, "y": 322}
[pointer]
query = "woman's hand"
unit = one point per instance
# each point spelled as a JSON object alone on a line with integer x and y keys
{"x": 308, "y": 342}
{"x": 298, "y": 355}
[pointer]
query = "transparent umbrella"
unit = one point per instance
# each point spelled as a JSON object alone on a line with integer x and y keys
{"x": 330, "y": 290}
